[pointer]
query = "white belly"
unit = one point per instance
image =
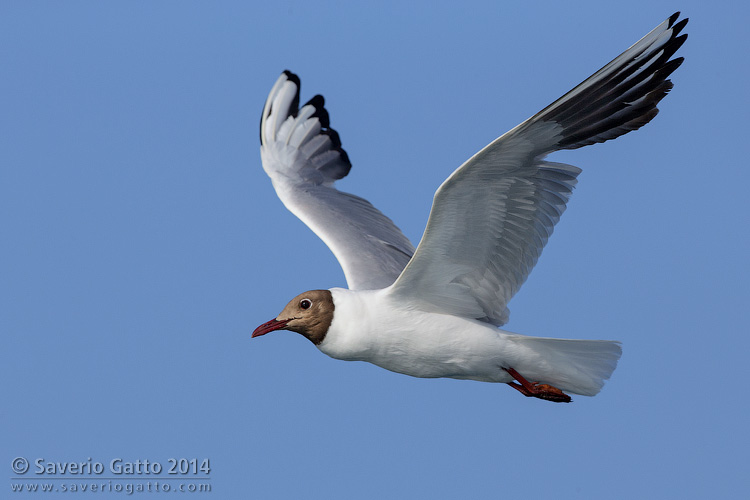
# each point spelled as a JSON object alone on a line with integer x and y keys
{"x": 367, "y": 326}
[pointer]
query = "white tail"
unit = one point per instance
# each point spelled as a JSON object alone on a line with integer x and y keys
{"x": 577, "y": 366}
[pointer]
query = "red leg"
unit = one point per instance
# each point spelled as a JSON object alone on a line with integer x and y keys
{"x": 537, "y": 390}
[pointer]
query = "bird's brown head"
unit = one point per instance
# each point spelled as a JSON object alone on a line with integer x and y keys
{"x": 309, "y": 314}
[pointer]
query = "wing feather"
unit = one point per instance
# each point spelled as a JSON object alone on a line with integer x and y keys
{"x": 303, "y": 157}
{"x": 493, "y": 216}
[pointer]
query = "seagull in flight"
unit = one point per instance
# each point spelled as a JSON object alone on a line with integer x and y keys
{"x": 435, "y": 311}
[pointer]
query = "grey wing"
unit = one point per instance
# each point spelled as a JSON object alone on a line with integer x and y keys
{"x": 492, "y": 217}
{"x": 303, "y": 157}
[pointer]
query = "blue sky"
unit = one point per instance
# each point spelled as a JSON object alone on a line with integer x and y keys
{"x": 142, "y": 243}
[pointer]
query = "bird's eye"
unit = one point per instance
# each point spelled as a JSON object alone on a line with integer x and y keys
{"x": 305, "y": 303}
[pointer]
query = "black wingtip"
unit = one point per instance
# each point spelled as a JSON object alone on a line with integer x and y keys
{"x": 606, "y": 111}
{"x": 334, "y": 136}
{"x": 318, "y": 102}
{"x": 293, "y": 106}
{"x": 336, "y": 169}
{"x": 292, "y": 77}
{"x": 343, "y": 155}
{"x": 345, "y": 159}
{"x": 677, "y": 43}
{"x": 679, "y": 27}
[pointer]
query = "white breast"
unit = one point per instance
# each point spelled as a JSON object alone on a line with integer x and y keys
{"x": 368, "y": 326}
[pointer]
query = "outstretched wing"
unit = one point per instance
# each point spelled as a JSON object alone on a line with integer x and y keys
{"x": 303, "y": 157}
{"x": 492, "y": 217}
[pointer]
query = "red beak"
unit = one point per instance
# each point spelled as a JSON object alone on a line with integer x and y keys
{"x": 269, "y": 326}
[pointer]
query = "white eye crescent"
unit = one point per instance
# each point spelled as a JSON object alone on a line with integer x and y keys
{"x": 305, "y": 303}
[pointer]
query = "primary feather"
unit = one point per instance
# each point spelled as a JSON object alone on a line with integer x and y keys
{"x": 303, "y": 157}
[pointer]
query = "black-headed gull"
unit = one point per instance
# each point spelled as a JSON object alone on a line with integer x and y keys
{"x": 435, "y": 312}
